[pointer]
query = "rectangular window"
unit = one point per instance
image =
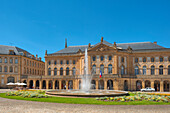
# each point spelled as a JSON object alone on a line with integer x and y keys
{"x": 2, "y": 81}
{"x": 110, "y": 57}
{"x": 136, "y": 60}
{"x": 6, "y": 61}
{"x": 0, "y": 60}
{"x": 16, "y": 61}
{"x": 122, "y": 60}
{"x": 11, "y": 60}
{"x": 94, "y": 58}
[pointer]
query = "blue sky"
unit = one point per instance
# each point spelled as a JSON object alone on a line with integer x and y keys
{"x": 39, "y": 25}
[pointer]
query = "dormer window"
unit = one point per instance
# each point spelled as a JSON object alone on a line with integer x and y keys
{"x": 11, "y": 52}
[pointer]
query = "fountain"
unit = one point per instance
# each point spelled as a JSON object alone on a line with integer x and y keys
{"x": 85, "y": 90}
{"x": 86, "y": 78}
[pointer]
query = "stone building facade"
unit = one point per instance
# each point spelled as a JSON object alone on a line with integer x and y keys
{"x": 128, "y": 66}
{"x": 17, "y": 64}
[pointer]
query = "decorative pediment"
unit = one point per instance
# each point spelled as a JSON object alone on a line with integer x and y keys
{"x": 101, "y": 47}
{"x": 79, "y": 51}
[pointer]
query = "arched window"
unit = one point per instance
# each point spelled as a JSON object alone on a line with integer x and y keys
{"x": 102, "y": 68}
{"x": 161, "y": 69}
{"x": 61, "y": 71}
{"x": 110, "y": 68}
{"x": 169, "y": 59}
{"x": 0, "y": 68}
{"x": 55, "y": 62}
{"x": 122, "y": 70}
{"x": 94, "y": 69}
{"x": 74, "y": 71}
{"x": 10, "y": 79}
{"x": 94, "y": 58}
{"x": 169, "y": 70}
{"x": 11, "y": 69}
{"x": 11, "y": 60}
{"x": 136, "y": 70}
{"x": 55, "y": 71}
{"x": 101, "y": 58}
{"x": 152, "y": 70}
{"x": 144, "y": 70}
{"x": 152, "y": 59}
{"x": 49, "y": 71}
{"x": 6, "y": 61}
{"x": 67, "y": 71}
{"x": 30, "y": 71}
{"x": 5, "y": 69}
{"x": 144, "y": 59}
{"x": 161, "y": 59}
{"x": 67, "y": 62}
{"x": 0, "y": 60}
{"x": 49, "y": 62}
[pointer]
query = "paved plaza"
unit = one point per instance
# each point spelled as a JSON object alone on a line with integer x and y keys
{"x": 20, "y": 106}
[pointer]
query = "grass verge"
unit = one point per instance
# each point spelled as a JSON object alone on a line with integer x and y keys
{"x": 82, "y": 101}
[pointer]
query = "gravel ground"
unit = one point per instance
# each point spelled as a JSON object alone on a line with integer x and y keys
{"x": 21, "y": 106}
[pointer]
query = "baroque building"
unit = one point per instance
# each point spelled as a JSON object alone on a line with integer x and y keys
{"x": 125, "y": 66}
{"x": 17, "y": 64}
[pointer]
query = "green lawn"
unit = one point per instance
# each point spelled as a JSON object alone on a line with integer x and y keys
{"x": 83, "y": 101}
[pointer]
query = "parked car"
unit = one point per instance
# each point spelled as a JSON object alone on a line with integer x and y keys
{"x": 148, "y": 89}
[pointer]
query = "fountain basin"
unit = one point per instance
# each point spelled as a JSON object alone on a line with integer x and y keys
{"x": 90, "y": 93}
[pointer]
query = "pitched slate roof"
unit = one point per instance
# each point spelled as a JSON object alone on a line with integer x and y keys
{"x": 140, "y": 45}
{"x": 135, "y": 46}
{"x": 17, "y": 51}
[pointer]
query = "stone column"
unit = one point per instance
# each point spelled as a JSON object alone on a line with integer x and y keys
{"x": 152, "y": 84}
{"x": 59, "y": 84}
{"x": 28, "y": 83}
{"x": 143, "y": 84}
{"x": 97, "y": 84}
{"x": 66, "y": 84}
{"x": 161, "y": 86}
{"x": 105, "y": 84}
{"x": 34, "y": 82}
{"x": 40, "y": 87}
{"x": 115, "y": 85}
{"x": 47, "y": 84}
{"x": 53, "y": 84}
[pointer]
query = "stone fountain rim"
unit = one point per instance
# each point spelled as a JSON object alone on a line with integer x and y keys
{"x": 116, "y": 93}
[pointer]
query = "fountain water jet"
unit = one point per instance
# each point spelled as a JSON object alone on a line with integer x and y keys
{"x": 86, "y": 78}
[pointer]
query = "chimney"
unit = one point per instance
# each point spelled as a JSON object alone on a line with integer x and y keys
{"x": 66, "y": 43}
{"x": 36, "y": 56}
{"x": 155, "y": 42}
{"x": 32, "y": 56}
{"x": 102, "y": 40}
{"x": 89, "y": 45}
{"x": 45, "y": 52}
{"x": 40, "y": 58}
